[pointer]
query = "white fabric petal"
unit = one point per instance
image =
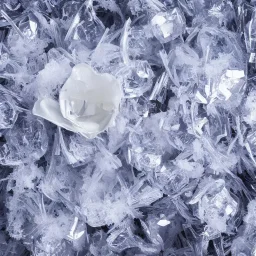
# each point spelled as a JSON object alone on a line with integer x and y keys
{"x": 49, "y": 109}
{"x": 90, "y": 97}
{"x": 88, "y": 102}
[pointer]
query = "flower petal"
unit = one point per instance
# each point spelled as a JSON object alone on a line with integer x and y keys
{"x": 50, "y": 110}
{"x": 89, "y": 99}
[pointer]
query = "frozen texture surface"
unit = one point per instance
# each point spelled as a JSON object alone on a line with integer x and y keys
{"x": 127, "y": 127}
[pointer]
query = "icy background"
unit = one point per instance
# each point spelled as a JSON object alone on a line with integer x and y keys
{"x": 175, "y": 174}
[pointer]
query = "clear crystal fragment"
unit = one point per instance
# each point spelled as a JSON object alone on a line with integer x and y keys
{"x": 215, "y": 205}
{"x": 86, "y": 27}
{"x": 231, "y": 82}
{"x": 168, "y": 25}
{"x": 138, "y": 78}
{"x": 26, "y": 141}
{"x": 8, "y": 112}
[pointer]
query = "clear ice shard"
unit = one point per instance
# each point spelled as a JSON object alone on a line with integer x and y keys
{"x": 137, "y": 78}
{"x": 231, "y": 82}
{"x": 168, "y": 25}
{"x": 26, "y": 141}
{"x": 8, "y": 112}
{"x": 215, "y": 204}
{"x": 86, "y": 28}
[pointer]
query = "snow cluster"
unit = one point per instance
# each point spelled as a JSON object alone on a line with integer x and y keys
{"x": 127, "y": 127}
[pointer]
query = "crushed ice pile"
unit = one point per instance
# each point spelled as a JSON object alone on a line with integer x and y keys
{"x": 128, "y": 127}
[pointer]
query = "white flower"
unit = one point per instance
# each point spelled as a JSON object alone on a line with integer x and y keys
{"x": 88, "y": 102}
